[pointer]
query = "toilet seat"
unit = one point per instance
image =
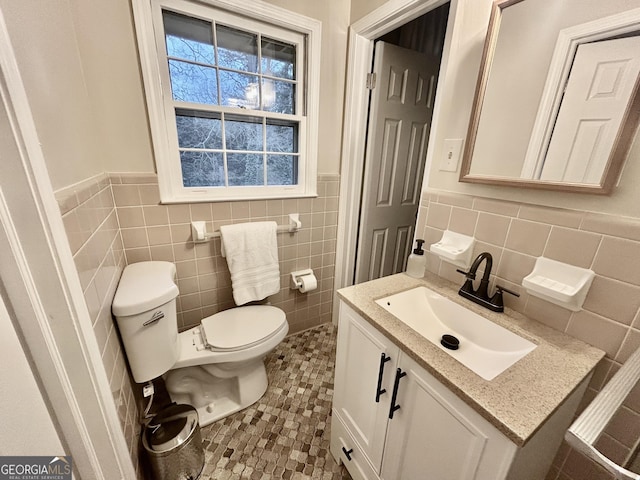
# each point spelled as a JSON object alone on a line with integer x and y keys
{"x": 193, "y": 350}
{"x": 241, "y": 327}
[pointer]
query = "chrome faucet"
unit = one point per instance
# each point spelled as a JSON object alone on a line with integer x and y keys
{"x": 481, "y": 294}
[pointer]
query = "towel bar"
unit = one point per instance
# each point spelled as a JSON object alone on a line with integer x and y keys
{"x": 199, "y": 229}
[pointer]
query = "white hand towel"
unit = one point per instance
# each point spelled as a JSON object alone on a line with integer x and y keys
{"x": 251, "y": 250}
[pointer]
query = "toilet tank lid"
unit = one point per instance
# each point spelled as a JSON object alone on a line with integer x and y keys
{"x": 144, "y": 286}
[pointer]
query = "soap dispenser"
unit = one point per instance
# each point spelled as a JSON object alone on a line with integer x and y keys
{"x": 417, "y": 261}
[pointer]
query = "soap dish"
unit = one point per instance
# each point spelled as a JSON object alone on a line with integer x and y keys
{"x": 559, "y": 283}
{"x": 454, "y": 248}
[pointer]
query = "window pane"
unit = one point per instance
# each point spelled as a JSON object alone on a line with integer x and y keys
{"x": 193, "y": 83}
{"x": 239, "y": 90}
{"x": 278, "y": 58}
{"x": 268, "y": 94}
{"x": 282, "y": 170}
{"x": 278, "y": 96}
{"x": 202, "y": 169}
{"x": 245, "y": 169}
{"x": 243, "y": 133}
{"x": 282, "y": 137}
{"x": 237, "y": 50}
{"x": 235, "y": 97}
{"x": 199, "y": 130}
{"x": 188, "y": 38}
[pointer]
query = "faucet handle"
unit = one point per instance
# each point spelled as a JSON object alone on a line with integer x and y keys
{"x": 470, "y": 275}
{"x": 500, "y": 289}
{"x": 497, "y": 301}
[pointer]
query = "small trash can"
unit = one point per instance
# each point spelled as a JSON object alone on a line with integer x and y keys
{"x": 173, "y": 443}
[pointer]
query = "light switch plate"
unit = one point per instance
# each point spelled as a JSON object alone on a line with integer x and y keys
{"x": 451, "y": 154}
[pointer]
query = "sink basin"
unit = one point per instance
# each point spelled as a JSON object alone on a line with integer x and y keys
{"x": 484, "y": 347}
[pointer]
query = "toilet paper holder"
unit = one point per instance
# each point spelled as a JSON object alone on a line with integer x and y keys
{"x": 296, "y": 280}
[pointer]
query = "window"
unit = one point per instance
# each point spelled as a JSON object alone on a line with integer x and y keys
{"x": 232, "y": 98}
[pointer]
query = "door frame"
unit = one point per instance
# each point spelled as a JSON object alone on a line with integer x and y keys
{"x": 41, "y": 289}
{"x": 389, "y": 16}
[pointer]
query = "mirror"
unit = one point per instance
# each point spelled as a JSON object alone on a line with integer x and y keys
{"x": 530, "y": 124}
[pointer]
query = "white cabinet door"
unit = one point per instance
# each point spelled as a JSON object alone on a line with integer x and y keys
{"x": 365, "y": 363}
{"x": 434, "y": 435}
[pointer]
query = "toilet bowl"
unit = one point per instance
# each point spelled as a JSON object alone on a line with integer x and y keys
{"x": 217, "y": 366}
{"x": 220, "y": 366}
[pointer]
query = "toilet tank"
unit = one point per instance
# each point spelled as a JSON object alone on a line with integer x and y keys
{"x": 145, "y": 308}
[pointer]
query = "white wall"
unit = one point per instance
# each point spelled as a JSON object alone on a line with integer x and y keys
{"x": 360, "y": 8}
{"x": 79, "y": 63}
{"x": 109, "y": 57}
{"x": 27, "y": 427}
{"x": 45, "y": 45}
{"x": 79, "y": 66}
{"x": 334, "y": 15}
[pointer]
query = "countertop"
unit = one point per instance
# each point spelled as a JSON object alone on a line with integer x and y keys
{"x": 519, "y": 400}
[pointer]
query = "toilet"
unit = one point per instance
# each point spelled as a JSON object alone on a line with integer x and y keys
{"x": 217, "y": 366}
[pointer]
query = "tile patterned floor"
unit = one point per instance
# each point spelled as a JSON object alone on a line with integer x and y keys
{"x": 286, "y": 433}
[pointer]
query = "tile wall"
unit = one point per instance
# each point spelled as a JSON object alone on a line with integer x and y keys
{"x": 113, "y": 220}
{"x": 516, "y": 234}
{"x": 89, "y": 216}
{"x": 151, "y": 231}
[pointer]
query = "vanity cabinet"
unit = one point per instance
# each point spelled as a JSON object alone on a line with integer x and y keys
{"x": 365, "y": 363}
{"x": 392, "y": 420}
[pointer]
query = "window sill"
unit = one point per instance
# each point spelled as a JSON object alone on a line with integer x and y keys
{"x": 205, "y": 198}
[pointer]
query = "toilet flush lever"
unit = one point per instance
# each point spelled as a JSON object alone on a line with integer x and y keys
{"x": 159, "y": 315}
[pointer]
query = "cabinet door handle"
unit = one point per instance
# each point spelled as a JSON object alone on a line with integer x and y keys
{"x": 379, "y": 391}
{"x": 347, "y": 453}
{"x": 396, "y": 384}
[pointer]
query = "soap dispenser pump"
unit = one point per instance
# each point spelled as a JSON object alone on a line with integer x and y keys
{"x": 417, "y": 261}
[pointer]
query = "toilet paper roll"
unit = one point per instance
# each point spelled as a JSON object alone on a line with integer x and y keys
{"x": 308, "y": 283}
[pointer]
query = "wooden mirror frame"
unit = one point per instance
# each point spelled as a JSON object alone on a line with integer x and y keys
{"x": 619, "y": 150}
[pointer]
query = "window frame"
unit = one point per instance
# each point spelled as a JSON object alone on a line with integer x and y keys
{"x": 161, "y": 106}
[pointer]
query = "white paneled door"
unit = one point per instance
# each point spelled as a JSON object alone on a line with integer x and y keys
{"x": 399, "y": 123}
{"x": 603, "y": 78}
